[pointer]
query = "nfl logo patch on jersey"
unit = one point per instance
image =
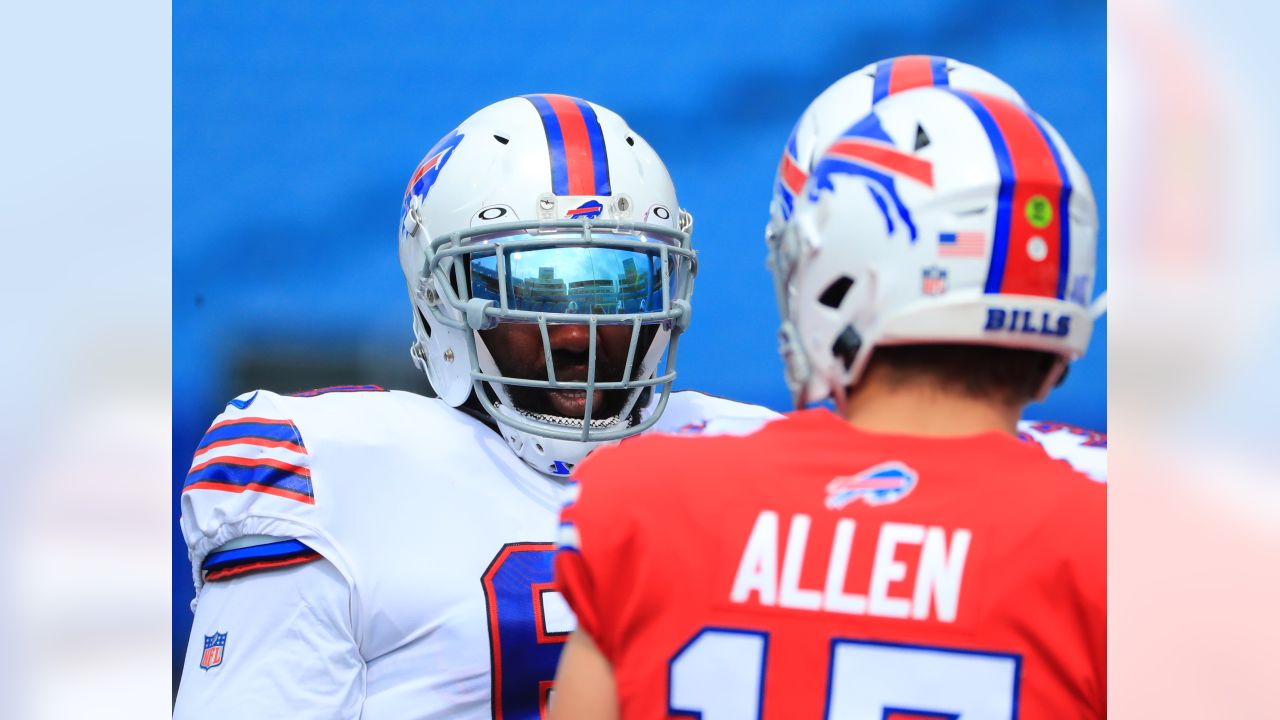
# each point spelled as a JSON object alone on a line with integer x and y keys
{"x": 881, "y": 484}
{"x": 213, "y": 646}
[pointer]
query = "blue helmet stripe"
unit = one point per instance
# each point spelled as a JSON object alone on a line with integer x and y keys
{"x": 880, "y": 90}
{"x": 1004, "y": 209}
{"x": 555, "y": 143}
{"x": 939, "y": 67}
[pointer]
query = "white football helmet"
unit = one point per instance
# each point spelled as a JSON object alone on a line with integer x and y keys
{"x": 941, "y": 217}
{"x": 546, "y": 210}
{"x": 849, "y": 99}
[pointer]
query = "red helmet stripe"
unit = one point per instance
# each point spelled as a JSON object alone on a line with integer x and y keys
{"x": 577, "y": 145}
{"x": 1032, "y": 201}
{"x": 884, "y": 156}
{"x": 792, "y": 176}
{"x": 911, "y": 71}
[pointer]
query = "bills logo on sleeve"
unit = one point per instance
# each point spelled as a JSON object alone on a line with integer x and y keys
{"x": 881, "y": 484}
{"x": 213, "y": 646}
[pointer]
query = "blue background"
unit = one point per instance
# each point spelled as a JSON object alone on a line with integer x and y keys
{"x": 296, "y": 126}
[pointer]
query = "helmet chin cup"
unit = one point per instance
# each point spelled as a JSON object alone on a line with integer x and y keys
{"x": 549, "y": 456}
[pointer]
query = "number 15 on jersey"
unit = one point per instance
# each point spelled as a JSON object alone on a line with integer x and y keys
{"x": 720, "y": 675}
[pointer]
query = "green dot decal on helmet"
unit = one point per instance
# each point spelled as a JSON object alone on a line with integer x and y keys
{"x": 1039, "y": 211}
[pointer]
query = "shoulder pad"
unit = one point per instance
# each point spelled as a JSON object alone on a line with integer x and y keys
{"x": 244, "y": 452}
{"x": 694, "y": 413}
{"x": 257, "y": 470}
{"x": 251, "y": 475}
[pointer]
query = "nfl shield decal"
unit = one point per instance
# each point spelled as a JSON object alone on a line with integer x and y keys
{"x": 933, "y": 280}
{"x": 881, "y": 484}
{"x": 213, "y": 647}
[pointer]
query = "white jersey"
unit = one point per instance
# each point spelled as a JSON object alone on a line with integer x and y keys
{"x": 410, "y": 557}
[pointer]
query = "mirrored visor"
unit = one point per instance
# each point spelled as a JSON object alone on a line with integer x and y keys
{"x": 581, "y": 280}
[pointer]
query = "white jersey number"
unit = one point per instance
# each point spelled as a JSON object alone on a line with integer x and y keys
{"x": 719, "y": 675}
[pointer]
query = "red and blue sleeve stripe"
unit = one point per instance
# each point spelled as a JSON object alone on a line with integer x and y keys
{"x": 337, "y": 389}
{"x": 579, "y": 160}
{"x": 253, "y": 431}
{"x": 264, "y": 475}
{"x": 1029, "y": 166}
{"x": 226, "y": 564}
{"x": 906, "y": 72}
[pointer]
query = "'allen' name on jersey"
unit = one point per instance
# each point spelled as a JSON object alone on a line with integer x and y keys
{"x": 915, "y": 571}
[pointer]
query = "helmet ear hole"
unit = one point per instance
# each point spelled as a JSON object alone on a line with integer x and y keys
{"x": 922, "y": 138}
{"x": 846, "y": 346}
{"x": 426, "y": 326}
{"x": 835, "y": 292}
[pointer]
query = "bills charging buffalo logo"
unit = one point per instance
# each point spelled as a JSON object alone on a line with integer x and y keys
{"x": 590, "y": 210}
{"x": 881, "y": 484}
{"x": 213, "y": 647}
{"x": 692, "y": 428}
{"x": 429, "y": 169}
{"x": 866, "y": 150}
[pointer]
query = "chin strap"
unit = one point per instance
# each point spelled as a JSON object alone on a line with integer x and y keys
{"x": 473, "y": 408}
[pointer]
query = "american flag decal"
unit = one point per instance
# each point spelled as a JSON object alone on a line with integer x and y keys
{"x": 962, "y": 244}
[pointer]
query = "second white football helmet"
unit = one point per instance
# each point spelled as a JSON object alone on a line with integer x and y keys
{"x": 847, "y": 100}
{"x": 941, "y": 217}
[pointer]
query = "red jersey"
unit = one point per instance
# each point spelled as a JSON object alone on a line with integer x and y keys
{"x": 813, "y": 570}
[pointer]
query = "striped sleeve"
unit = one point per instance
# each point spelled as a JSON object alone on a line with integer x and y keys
{"x": 233, "y": 562}
{"x": 248, "y": 501}
{"x": 249, "y": 453}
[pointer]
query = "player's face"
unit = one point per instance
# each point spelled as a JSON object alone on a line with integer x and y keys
{"x": 517, "y": 348}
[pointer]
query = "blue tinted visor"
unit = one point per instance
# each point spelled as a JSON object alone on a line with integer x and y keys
{"x": 585, "y": 280}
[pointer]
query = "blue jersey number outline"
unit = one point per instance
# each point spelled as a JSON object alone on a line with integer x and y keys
{"x": 522, "y": 655}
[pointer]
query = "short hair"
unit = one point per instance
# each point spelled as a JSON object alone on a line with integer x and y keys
{"x": 1010, "y": 375}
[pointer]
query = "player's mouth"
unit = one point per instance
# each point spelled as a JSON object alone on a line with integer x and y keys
{"x": 571, "y": 366}
{"x": 573, "y": 403}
